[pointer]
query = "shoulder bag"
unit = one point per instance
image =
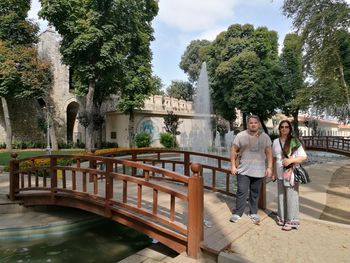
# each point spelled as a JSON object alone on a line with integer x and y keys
{"x": 301, "y": 176}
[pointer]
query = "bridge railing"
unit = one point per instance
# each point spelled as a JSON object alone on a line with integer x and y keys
{"x": 216, "y": 169}
{"x": 328, "y": 143}
{"x": 123, "y": 190}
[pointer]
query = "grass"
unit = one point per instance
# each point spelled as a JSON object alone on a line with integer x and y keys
{"x": 6, "y": 156}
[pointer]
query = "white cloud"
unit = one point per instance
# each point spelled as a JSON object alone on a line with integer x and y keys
{"x": 194, "y": 15}
{"x": 212, "y": 33}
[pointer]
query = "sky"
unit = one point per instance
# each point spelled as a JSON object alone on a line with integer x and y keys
{"x": 180, "y": 21}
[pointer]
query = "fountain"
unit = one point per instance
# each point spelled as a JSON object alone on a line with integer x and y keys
{"x": 201, "y": 138}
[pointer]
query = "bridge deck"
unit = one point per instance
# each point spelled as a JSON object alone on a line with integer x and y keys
{"x": 219, "y": 233}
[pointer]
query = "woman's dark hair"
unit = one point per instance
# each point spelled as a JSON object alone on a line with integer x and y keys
{"x": 286, "y": 147}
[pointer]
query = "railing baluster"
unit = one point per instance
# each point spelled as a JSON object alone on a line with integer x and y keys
{"x": 64, "y": 180}
{"x": 29, "y": 179}
{"x": 84, "y": 182}
{"x": 125, "y": 191}
{"x": 74, "y": 181}
{"x": 155, "y": 201}
{"x": 139, "y": 195}
{"x": 172, "y": 208}
{"x": 213, "y": 183}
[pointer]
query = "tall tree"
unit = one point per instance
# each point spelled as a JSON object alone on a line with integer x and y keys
{"x": 292, "y": 78}
{"x": 182, "y": 90}
{"x": 319, "y": 22}
{"x": 106, "y": 39}
{"x": 193, "y": 57}
{"x": 22, "y": 73}
{"x": 244, "y": 71}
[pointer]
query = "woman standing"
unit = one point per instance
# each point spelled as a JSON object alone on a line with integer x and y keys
{"x": 287, "y": 150}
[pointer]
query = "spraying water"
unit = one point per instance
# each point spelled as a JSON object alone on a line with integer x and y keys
{"x": 201, "y": 137}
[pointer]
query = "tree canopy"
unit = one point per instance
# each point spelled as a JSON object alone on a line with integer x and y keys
{"x": 22, "y": 73}
{"x": 182, "y": 90}
{"x": 244, "y": 71}
{"x": 192, "y": 59}
{"x": 320, "y": 23}
{"x": 15, "y": 28}
{"x": 106, "y": 40}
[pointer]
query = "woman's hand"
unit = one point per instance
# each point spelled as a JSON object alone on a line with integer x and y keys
{"x": 233, "y": 170}
{"x": 287, "y": 161}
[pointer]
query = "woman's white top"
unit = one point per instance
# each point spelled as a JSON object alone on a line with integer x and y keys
{"x": 277, "y": 152}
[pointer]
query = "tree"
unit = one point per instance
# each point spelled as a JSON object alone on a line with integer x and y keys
{"x": 319, "y": 22}
{"x": 106, "y": 39}
{"x": 182, "y": 90}
{"x": 157, "y": 86}
{"x": 292, "y": 78}
{"x": 192, "y": 59}
{"x": 244, "y": 72}
{"x": 22, "y": 74}
{"x": 171, "y": 122}
{"x": 15, "y": 29}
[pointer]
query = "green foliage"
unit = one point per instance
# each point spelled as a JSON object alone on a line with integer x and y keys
{"x": 167, "y": 140}
{"x": 181, "y": 90}
{"x": 171, "y": 122}
{"x": 192, "y": 59}
{"x": 143, "y": 139}
{"x": 157, "y": 86}
{"x": 22, "y": 74}
{"x": 14, "y": 26}
{"x": 320, "y": 22}
{"x": 292, "y": 74}
{"x": 244, "y": 71}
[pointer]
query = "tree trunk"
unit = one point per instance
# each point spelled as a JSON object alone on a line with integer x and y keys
{"x": 53, "y": 137}
{"x": 296, "y": 122}
{"x": 244, "y": 121}
{"x": 131, "y": 129}
{"x": 8, "y": 126}
{"x": 263, "y": 124}
{"x": 89, "y": 110}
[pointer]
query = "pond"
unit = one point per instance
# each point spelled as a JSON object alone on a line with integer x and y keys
{"x": 105, "y": 242}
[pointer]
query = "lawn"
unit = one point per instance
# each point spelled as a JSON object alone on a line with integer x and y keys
{"x": 5, "y": 156}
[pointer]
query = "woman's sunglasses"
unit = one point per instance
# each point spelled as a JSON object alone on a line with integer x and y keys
{"x": 284, "y": 127}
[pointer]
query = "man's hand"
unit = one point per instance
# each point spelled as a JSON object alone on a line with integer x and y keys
{"x": 268, "y": 172}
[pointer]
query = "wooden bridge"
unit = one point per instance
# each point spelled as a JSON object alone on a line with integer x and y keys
{"x": 152, "y": 191}
{"x": 142, "y": 189}
{"x": 333, "y": 144}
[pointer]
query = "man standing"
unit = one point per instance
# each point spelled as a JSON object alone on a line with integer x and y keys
{"x": 254, "y": 148}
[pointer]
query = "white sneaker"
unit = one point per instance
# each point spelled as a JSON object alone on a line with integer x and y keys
{"x": 255, "y": 218}
{"x": 234, "y": 218}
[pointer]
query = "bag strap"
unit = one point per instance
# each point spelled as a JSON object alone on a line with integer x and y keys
{"x": 285, "y": 155}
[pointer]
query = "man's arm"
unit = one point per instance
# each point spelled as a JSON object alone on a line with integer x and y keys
{"x": 234, "y": 152}
{"x": 268, "y": 153}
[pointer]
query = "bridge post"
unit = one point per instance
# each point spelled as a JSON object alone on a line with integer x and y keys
{"x": 109, "y": 187}
{"x": 53, "y": 174}
{"x": 262, "y": 197}
{"x": 133, "y": 158}
{"x": 14, "y": 177}
{"x": 187, "y": 163}
{"x": 195, "y": 211}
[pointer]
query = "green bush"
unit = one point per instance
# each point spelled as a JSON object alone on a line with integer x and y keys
{"x": 143, "y": 139}
{"x": 167, "y": 140}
